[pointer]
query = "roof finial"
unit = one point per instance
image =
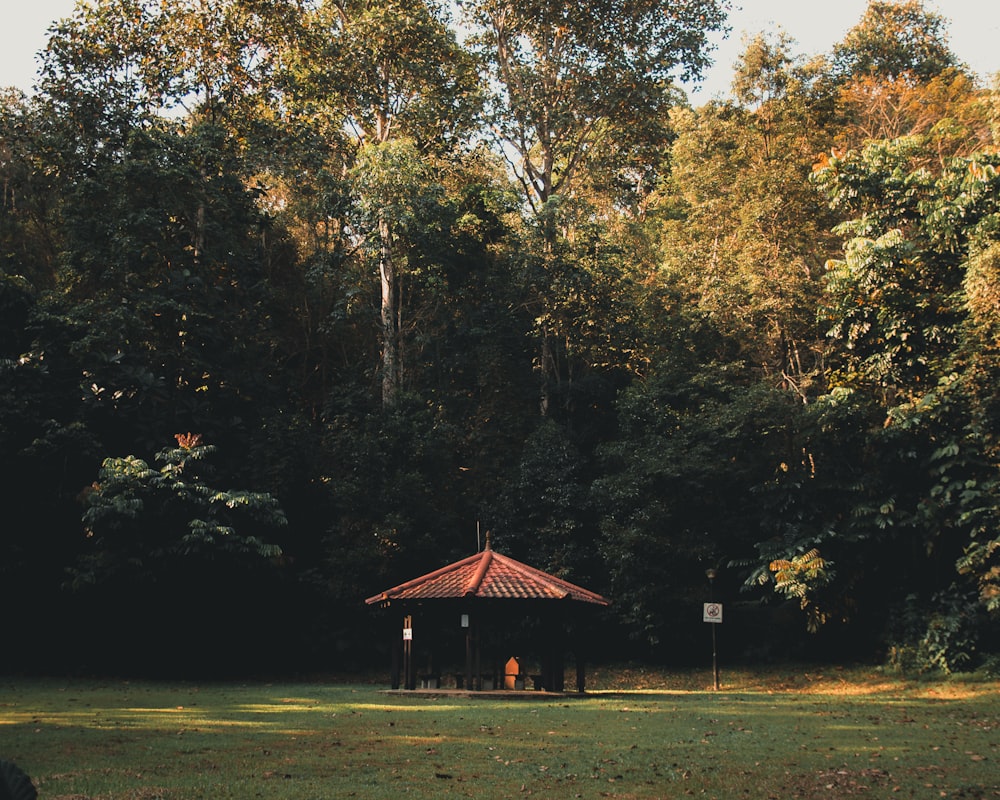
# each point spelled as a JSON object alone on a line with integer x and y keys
{"x": 488, "y": 547}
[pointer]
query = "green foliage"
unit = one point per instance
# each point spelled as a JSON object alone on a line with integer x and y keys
{"x": 893, "y": 301}
{"x": 802, "y": 502}
{"x": 118, "y": 63}
{"x": 389, "y": 178}
{"x": 741, "y": 233}
{"x": 324, "y": 210}
{"x": 801, "y": 577}
{"x": 900, "y": 305}
{"x": 142, "y": 521}
{"x": 543, "y": 514}
{"x": 577, "y": 100}
{"x": 895, "y": 39}
{"x": 675, "y": 487}
{"x": 937, "y": 636}
{"x": 396, "y": 70}
{"x": 573, "y": 80}
{"x": 393, "y": 486}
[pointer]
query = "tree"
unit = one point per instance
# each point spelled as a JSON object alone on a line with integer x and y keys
{"x": 166, "y": 289}
{"x": 897, "y": 76}
{"x": 892, "y": 301}
{"x": 675, "y": 490}
{"x": 981, "y": 559}
{"x": 169, "y": 557}
{"x": 394, "y": 72}
{"x": 739, "y": 228}
{"x": 925, "y": 469}
{"x": 571, "y": 78}
{"x": 573, "y": 85}
{"x": 213, "y": 58}
{"x": 895, "y": 40}
{"x": 29, "y": 193}
{"x": 139, "y": 518}
{"x": 947, "y": 108}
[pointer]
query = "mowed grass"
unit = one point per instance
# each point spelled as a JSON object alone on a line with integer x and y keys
{"x": 637, "y": 734}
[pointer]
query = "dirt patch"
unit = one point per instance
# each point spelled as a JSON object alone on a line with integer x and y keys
{"x": 151, "y": 793}
{"x": 838, "y": 782}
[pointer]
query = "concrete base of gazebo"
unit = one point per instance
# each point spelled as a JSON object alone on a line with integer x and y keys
{"x": 483, "y": 694}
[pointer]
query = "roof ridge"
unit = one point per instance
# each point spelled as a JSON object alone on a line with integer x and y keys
{"x": 489, "y": 574}
{"x": 485, "y": 559}
{"x": 423, "y": 578}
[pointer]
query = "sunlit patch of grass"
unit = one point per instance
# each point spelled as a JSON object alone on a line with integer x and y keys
{"x": 786, "y": 734}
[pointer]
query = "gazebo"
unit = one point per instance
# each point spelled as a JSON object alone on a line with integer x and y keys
{"x": 502, "y": 609}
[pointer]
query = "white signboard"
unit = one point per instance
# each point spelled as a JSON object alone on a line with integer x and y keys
{"x": 712, "y": 612}
{"x": 407, "y": 634}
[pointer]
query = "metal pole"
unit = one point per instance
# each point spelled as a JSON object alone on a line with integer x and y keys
{"x": 715, "y": 660}
{"x": 710, "y": 574}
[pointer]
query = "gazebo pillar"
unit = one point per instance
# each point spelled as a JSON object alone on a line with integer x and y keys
{"x": 579, "y": 643}
{"x": 470, "y": 647}
{"x": 397, "y": 647}
{"x": 553, "y": 660}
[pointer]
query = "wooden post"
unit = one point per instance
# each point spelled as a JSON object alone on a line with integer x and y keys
{"x": 397, "y": 647}
{"x": 555, "y": 666}
{"x": 468, "y": 653}
{"x": 409, "y": 667}
{"x": 478, "y": 657}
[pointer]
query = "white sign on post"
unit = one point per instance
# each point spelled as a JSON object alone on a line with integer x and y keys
{"x": 712, "y": 612}
{"x": 407, "y": 634}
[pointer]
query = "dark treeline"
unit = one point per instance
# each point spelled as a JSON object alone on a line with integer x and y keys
{"x": 300, "y": 298}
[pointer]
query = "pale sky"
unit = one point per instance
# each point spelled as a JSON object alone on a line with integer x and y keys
{"x": 815, "y": 25}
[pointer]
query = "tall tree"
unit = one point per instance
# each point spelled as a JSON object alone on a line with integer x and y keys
{"x": 675, "y": 495}
{"x": 216, "y": 56}
{"x": 573, "y": 79}
{"x": 895, "y": 40}
{"x": 394, "y": 71}
{"x": 29, "y": 193}
{"x": 572, "y": 83}
{"x": 741, "y": 229}
{"x": 897, "y": 75}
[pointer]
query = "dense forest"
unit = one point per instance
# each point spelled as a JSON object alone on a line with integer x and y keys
{"x": 299, "y": 297}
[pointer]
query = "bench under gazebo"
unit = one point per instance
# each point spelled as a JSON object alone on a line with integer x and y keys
{"x": 514, "y": 623}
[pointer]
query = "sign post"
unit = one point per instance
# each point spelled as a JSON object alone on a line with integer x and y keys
{"x": 712, "y": 613}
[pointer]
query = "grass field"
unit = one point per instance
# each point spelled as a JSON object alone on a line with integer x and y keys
{"x": 637, "y": 734}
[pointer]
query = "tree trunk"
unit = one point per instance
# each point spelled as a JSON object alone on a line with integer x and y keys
{"x": 390, "y": 338}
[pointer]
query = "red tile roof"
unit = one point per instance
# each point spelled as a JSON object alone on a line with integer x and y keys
{"x": 489, "y": 575}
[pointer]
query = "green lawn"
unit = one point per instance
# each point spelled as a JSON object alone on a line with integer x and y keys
{"x": 832, "y": 734}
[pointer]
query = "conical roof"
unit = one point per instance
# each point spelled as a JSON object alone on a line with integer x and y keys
{"x": 489, "y": 575}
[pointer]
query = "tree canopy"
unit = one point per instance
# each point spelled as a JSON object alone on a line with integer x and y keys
{"x": 298, "y": 298}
